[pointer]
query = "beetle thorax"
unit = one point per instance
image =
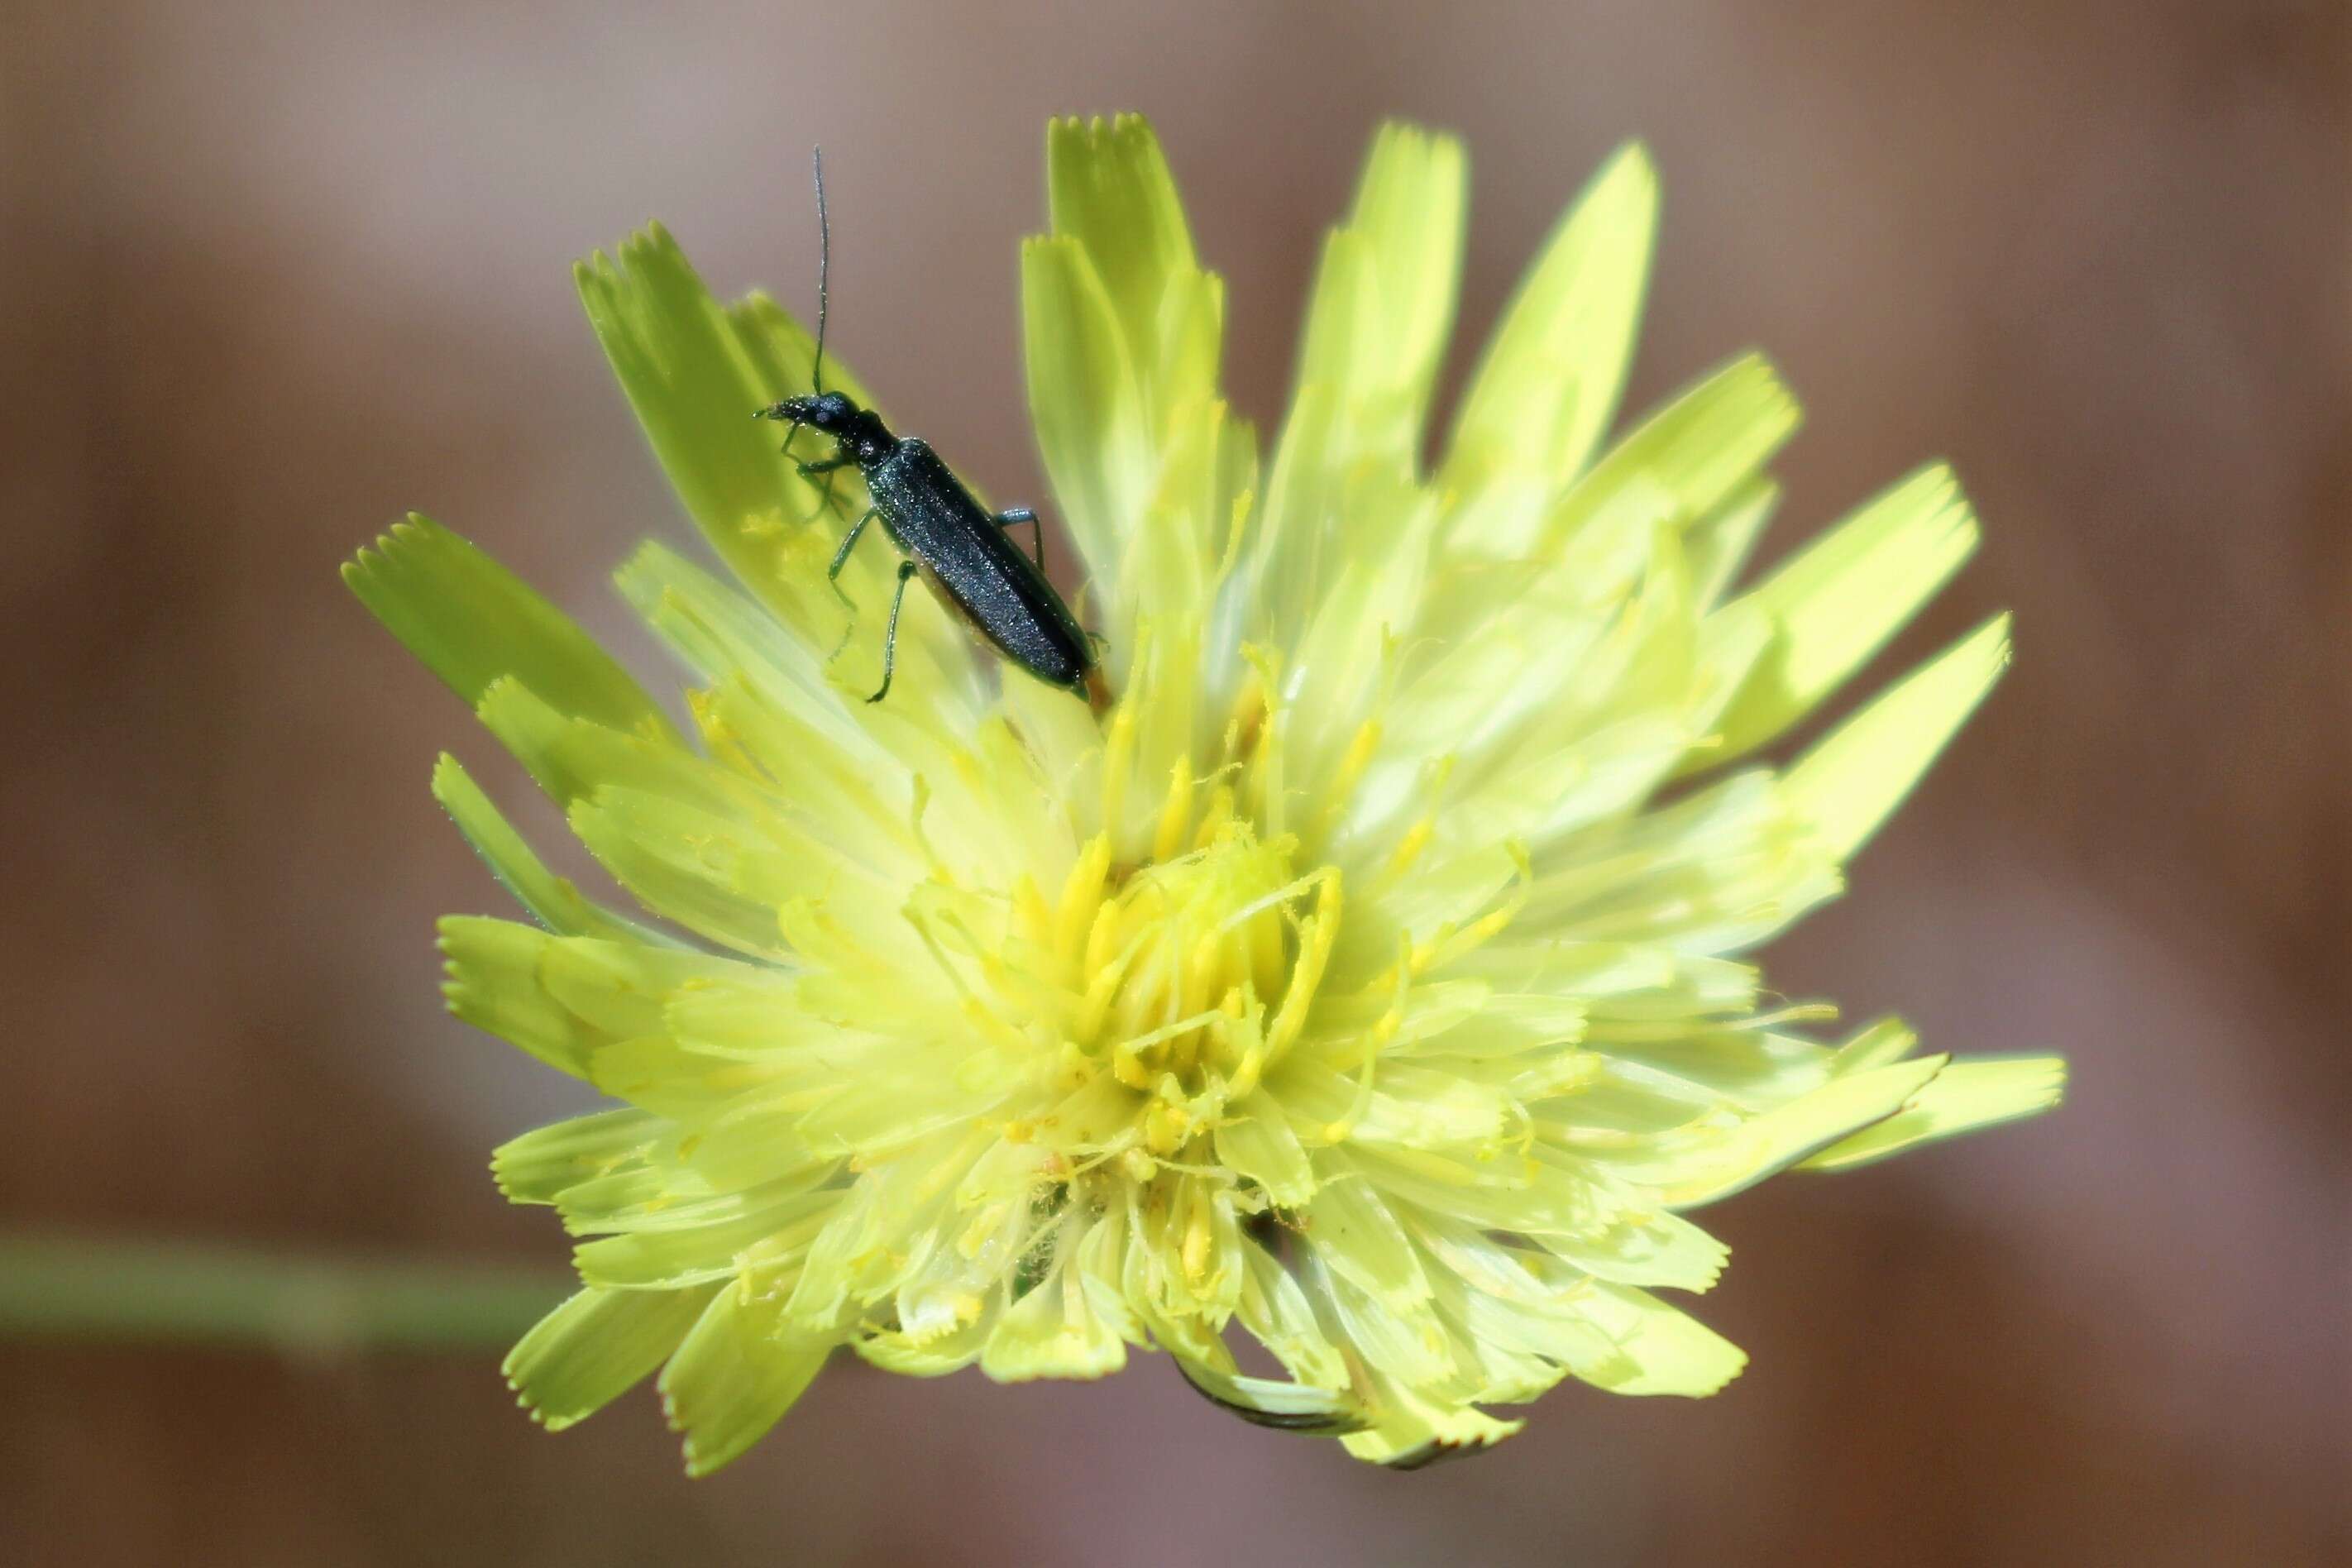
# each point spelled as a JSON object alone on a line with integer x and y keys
{"x": 864, "y": 438}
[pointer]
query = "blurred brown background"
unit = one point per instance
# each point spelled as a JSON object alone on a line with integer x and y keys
{"x": 275, "y": 272}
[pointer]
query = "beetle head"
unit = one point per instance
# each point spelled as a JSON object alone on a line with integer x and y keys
{"x": 861, "y": 436}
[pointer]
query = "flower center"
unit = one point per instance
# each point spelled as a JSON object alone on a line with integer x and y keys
{"x": 1184, "y": 959}
{"x": 1188, "y": 977}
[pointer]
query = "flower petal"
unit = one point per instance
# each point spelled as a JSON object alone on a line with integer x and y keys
{"x": 1760, "y": 1146}
{"x": 473, "y": 622}
{"x": 1343, "y": 493}
{"x": 1083, "y": 398}
{"x": 1260, "y": 1145}
{"x": 1983, "y": 1091}
{"x": 773, "y": 1224}
{"x": 1412, "y": 1432}
{"x": 552, "y": 900}
{"x": 732, "y": 1379}
{"x": 537, "y": 1167}
{"x": 1718, "y": 546}
{"x": 1679, "y": 464}
{"x": 1383, "y": 301}
{"x": 595, "y": 1348}
{"x": 695, "y": 385}
{"x": 1550, "y": 382}
{"x": 562, "y": 998}
{"x": 1355, "y": 1234}
{"x": 1108, "y": 189}
{"x": 1853, "y": 778}
{"x": 1836, "y": 603}
{"x": 1122, "y": 329}
{"x": 1053, "y": 1330}
{"x": 1665, "y": 1350}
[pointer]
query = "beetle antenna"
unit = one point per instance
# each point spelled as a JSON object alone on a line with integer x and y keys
{"x": 823, "y": 269}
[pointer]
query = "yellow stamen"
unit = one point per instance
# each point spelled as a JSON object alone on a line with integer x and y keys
{"x": 1416, "y": 837}
{"x": 1176, "y": 814}
{"x": 1081, "y": 895}
{"x": 1343, "y": 788}
{"x": 1118, "y": 761}
{"x": 1197, "y": 1238}
{"x": 1317, "y": 937}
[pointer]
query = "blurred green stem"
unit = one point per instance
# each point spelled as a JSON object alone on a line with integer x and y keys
{"x": 70, "y": 1287}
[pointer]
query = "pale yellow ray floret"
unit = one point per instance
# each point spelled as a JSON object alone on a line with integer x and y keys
{"x": 1368, "y": 982}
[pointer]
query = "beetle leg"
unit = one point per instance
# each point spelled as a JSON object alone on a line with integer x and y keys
{"x": 1013, "y": 517}
{"x": 890, "y": 637}
{"x": 826, "y": 467}
{"x": 848, "y": 543}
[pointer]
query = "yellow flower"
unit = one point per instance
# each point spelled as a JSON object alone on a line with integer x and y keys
{"x": 1365, "y": 979}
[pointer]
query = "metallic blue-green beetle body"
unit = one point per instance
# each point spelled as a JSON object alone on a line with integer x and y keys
{"x": 958, "y": 545}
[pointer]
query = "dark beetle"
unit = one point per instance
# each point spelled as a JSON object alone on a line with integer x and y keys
{"x": 958, "y": 544}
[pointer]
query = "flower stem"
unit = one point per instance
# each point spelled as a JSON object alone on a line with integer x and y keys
{"x": 313, "y": 1308}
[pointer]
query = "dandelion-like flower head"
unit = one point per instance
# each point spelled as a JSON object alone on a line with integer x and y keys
{"x": 1366, "y": 981}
